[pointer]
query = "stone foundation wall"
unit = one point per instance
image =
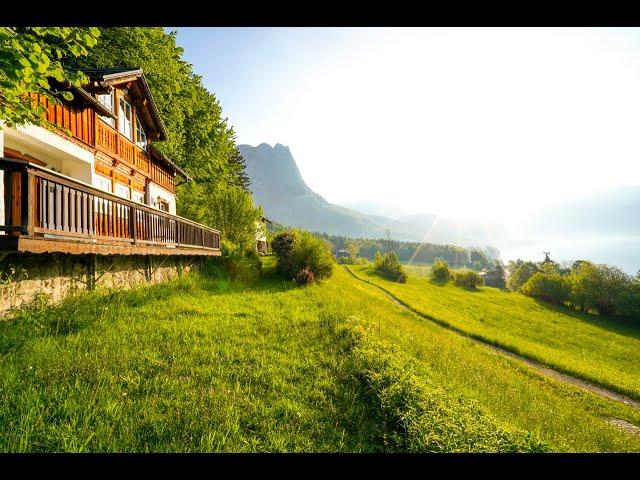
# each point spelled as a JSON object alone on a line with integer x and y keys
{"x": 23, "y": 276}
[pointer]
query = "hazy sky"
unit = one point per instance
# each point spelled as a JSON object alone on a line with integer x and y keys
{"x": 438, "y": 120}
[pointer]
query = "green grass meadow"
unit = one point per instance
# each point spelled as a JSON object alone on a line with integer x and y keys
{"x": 200, "y": 364}
{"x": 595, "y": 348}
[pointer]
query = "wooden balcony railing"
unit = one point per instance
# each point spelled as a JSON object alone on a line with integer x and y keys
{"x": 45, "y": 204}
{"x": 109, "y": 139}
{"x": 106, "y": 137}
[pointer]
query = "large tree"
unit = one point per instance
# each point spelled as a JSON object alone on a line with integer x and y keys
{"x": 39, "y": 60}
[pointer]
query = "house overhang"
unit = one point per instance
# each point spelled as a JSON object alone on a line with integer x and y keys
{"x": 103, "y": 80}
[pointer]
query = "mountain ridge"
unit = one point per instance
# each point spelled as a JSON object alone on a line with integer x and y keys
{"x": 277, "y": 185}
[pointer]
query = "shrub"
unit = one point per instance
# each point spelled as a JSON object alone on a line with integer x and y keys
{"x": 282, "y": 245}
{"x": 297, "y": 251}
{"x": 440, "y": 270}
{"x": 311, "y": 252}
{"x": 389, "y": 266}
{"x": 237, "y": 263}
{"x": 304, "y": 276}
{"x": 550, "y": 287}
{"x": 468, "y": 279}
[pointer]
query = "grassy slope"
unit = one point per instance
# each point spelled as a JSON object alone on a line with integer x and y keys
{"x": 199, "y": 365}
{"x": 591, "y": 347}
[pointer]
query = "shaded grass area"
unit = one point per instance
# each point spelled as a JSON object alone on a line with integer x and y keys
{"x": 595, "y": 348}
{"x": 208, "y": 365}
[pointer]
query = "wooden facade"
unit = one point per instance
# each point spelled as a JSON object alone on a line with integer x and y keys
{"x": 91, "y": 131}
{"x": 47, "y": 211}
{"x": 74, "y": 116}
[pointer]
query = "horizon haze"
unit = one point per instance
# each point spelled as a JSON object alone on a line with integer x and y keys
{"x": 494, "y": 125}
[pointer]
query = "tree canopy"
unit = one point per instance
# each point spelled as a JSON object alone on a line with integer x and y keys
{"x": 39, "y": 60}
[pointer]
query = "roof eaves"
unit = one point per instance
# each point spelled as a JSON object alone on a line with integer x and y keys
{"x": 161, "y": 155}
{"x": 87, "y": 97}
{"x": 107, "y": 78}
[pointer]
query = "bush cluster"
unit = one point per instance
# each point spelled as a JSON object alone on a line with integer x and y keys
{"x": 550, "y": 287}
{"x": 302, "y": 257}
{"x": 585, "y": 287}
{"x": 468, "y": 279}
{"x": 604, "y": 288}
{"x": 440, "y": 270}
{"x": 389, "y": 266}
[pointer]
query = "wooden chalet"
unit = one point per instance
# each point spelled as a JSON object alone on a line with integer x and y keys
{"x": 103, "y": 189}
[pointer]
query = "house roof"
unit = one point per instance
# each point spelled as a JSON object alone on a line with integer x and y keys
{"x": 90, "y": 99}
{"x": 106, "y": 77}
{"x": 161, "y": 156}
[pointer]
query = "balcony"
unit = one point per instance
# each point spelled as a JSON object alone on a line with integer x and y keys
{"x": 116, "y": 145}
{"x": 45, "y": 211}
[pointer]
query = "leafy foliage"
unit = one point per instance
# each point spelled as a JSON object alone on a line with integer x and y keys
{"x": 604, "y": 288}
{"x": 37, "y": 60}
{"x": 519, "y": 273}
{"x": 584, "y": 286}
{"x": 230, "y": 209}
{"x": 304, "y": 276}
{"x": 468, "y": 279}
{"x": 237, "y": 263}
{"x": 349, "y": 260}
{"x": 282, "y": 245}
{"x": 550, "y": 287}
{"x": 313, "y": 253}
{"x": 389, "y": 266}
{"x": 440, "y": 271}
{"x": 302, "y": 251}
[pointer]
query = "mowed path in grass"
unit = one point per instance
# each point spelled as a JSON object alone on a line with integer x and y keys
{"x": 198, "y": 365}
{"x": 598, "y": 349}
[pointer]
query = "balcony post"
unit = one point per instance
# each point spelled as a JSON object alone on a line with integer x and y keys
{"x": 29, "y": 202}
{"x": 133, "y": 229}
{"x": 16, "y": 210}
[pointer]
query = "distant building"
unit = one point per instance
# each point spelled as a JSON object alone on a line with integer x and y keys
{"x": 261, "y": 236}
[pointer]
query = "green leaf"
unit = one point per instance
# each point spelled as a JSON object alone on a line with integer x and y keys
{"x": 24, "y": 62}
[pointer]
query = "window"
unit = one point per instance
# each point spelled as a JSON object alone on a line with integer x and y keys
{"x": 103, "y": 183}
{"x": 137, "y": 196}
{"x": 141, "y": 137}
{"x": 107, "y": 101}
{"x": 162, "y": 204}
{"x": 123, "y": 190}
{"x": 124, "y": 119}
